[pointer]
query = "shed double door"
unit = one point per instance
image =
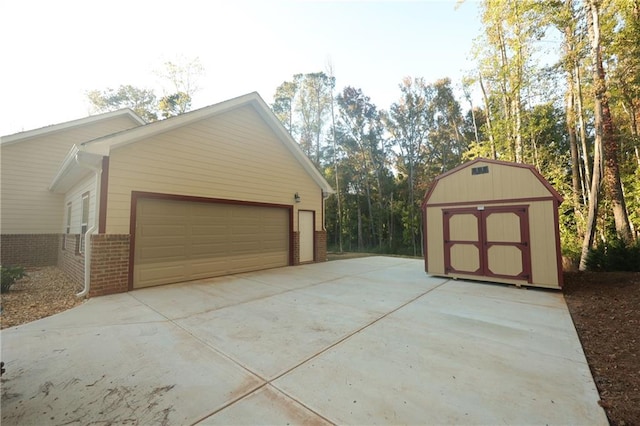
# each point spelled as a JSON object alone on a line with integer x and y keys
{"x": 489, "y": 242}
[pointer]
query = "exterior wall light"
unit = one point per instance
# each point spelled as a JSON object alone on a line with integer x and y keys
{"x": 296, "y": 197}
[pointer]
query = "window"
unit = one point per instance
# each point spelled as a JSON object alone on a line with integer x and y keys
{"x": 480, "y": 170}
{"x": 68, "y": 228}
{"x": 85, "y": 219}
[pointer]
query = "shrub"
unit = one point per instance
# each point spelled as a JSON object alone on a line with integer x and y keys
{"x": 614, "y": 255}
{"x": 9, "y": 275}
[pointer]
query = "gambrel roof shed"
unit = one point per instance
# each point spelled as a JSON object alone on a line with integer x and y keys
{"x": 494, "y": 221}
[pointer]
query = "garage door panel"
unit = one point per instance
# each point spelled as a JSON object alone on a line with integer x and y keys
{"x": 209, "y": 249}
{"x": 180, "y": 241}
{"x": 202, "y": 268}
{"x": 150, "y": 230}
{"x": 209, "y": 229}
{"x": 158, "y": 273}
{"x": 162, "y": 254}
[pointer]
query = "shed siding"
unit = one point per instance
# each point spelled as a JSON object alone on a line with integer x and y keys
{"x": 541, "y": 234}
{"x": 435, "y": 240}
{"x": 544, "y": 266}
{"x": 501, "y": 183}
{"x": 234, "y": 155}
{"x": 27, "y": 169}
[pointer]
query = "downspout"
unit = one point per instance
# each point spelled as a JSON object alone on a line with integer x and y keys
{"x": 92, "y": 230}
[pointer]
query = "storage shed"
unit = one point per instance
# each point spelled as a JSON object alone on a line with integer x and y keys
{"x": 493, "y": 221}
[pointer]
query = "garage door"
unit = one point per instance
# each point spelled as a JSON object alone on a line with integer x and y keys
{"x": 179, "y": 240}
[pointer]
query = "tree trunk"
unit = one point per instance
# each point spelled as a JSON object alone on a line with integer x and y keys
{"x": 570, "y": 115}
{"x": 360, "y": 240}
{"x": 571, "y": 131}
{"x": 488, "y": 114}
{"x": 612, "y": 184}
{"x": 594, "y": 197}
{"x": 583, "y": 130}
{"x": 335, "y": 171}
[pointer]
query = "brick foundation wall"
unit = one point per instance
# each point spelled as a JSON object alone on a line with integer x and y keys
{"x": 321, "y": 246}
{"x": 70, "y": 260}
{"x": 109, "y": 264}
{"x": 29, "y": 249}
{"x": 296, "y": 247}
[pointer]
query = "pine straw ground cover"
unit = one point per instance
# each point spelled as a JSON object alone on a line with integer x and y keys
{"x": 605, "y": 308}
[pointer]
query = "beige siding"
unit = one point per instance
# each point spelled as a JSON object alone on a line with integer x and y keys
{"x": 27, "y": 169}
{"x": 501, "y": 183}
{"x": 435, "y": 240}
{"x": 74, "y": 195}
{"x": 544, "y": 267}
{"x": 234, "y": 155}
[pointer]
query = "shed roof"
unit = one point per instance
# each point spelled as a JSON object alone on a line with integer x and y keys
{"x": 531, "y": 169}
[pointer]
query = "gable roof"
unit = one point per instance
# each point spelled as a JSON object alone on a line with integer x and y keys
{"x": 18, "y": 137}
{"x": 555, "y": 194}
{"x": 102, "y": 146}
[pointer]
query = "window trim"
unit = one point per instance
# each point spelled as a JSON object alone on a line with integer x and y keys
{"x": 68, "y": 224}
{"x": 84, "y": 226}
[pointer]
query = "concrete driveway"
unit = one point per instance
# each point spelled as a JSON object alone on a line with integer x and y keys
{"x": 364, "y": 341}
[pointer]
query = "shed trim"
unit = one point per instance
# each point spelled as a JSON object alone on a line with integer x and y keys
{"x": 506, "y": 200}
{"x": 556, "y": 220}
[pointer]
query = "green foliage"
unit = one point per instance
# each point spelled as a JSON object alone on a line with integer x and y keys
{"x": 141, "y": 101}
{"x": 181, "y": 76}
{"x": 614, "y": 255}
{"x": 9, "y": 275}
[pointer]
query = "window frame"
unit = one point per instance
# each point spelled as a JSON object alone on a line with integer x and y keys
{"x": 84, "y": 221}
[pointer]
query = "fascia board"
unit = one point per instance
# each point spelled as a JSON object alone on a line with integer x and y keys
{"x": 18, "y": 137}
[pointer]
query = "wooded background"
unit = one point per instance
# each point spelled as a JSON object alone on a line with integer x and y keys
{"x": 560, "y": 89}
{"x": 557, "y": 85}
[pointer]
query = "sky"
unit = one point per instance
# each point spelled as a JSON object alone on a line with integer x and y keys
{"x": 53, "y": 52}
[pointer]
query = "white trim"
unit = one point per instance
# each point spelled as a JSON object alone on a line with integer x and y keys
{"x": 104, "y": 145}
{"x": 18, "y": 137}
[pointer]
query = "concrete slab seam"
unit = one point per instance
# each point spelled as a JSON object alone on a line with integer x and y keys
{"x": 265, "y": 381}
{"x": 342, "y": 340}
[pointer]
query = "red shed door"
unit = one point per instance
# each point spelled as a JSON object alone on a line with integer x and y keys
{"x": 492, "y": 242}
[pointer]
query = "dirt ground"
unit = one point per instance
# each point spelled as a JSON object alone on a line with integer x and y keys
{"x": 605, "y": 308}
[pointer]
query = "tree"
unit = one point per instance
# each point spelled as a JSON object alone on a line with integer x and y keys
{"x": 408, "y": 122}
{"x": 605, "y": 128}
{"x": 141, "y": 101}
{"x": 144, "y": 102}
{"x": 507, "y": 64}
{"x": 302, "y": 105}
{"x": 182, "y": 76}
{"x": 361, "y": 138}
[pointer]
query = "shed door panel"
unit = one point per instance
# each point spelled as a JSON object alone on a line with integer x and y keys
{"x": 179, "y": 240}
{"x": 506, "y": 241}
{"x": 493, "y": 242}
{"x": 462, "y": 243}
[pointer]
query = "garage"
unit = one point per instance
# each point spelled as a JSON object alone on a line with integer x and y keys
{"x": 495, "y": 221}
{"x": 181, "y": 240}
